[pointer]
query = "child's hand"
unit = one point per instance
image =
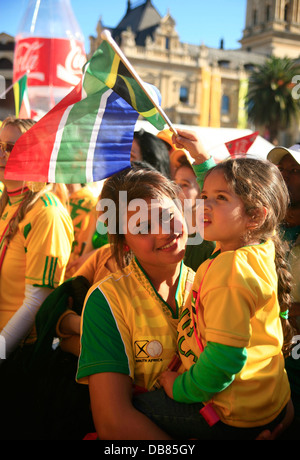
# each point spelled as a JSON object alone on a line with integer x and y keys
{"x": 166, "y": 380}
{"x": 191, "y": 141}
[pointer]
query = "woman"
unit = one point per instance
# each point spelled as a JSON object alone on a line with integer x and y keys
{"x": 130, "y": 317}
{"x": 36, "y": 235}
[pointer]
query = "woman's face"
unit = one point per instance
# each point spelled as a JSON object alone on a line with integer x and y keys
{"x": 8, "y": 135}
{"x": 290, "y": 171}
{"x": 156, "y": 233}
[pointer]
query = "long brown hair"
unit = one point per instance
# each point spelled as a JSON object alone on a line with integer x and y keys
{"x": 138, "y": 182}
{"x": 259, "y": 184}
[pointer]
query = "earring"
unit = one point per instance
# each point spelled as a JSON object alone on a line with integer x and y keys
{"x": 126, "y": 248}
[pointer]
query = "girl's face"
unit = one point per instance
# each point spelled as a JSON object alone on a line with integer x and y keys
{"x": 136, "y": 154}
{"x": 8, "y": 137}
{"x": 225, "y": 219}
{"x": 156, "y": 233}
{"x": 186, "y": 179}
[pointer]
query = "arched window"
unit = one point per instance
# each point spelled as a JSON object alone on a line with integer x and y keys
{"x": 286, "y": 11}
{"x": 249, "y": 66}
{"x": 224, "y": 63}
{"x": 6, "y": 64}
{"x": 268, "y": 13}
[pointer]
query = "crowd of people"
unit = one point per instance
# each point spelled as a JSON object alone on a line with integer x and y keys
{"x": 159, "y": 328}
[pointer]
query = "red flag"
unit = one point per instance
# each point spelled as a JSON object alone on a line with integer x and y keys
{"x": 239, "y": 147}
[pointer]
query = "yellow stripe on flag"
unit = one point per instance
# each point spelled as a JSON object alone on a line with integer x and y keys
{"x": 111, "y": 80}
{"x": 16, "y": 88}
{"x": 148, "y": 113}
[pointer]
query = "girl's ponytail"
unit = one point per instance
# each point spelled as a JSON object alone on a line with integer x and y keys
{"x": 284, "y": 294}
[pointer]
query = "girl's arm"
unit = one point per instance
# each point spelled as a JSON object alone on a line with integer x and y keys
{"x": 214, "y": 371}
{"x": 19, "y": 326}
{"x": 114, "y": 415}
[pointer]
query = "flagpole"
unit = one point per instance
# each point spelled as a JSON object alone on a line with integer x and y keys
{"x": 105, "y": 35}
{"x": 11, "y": 86}
{"x": 6, "y": 91}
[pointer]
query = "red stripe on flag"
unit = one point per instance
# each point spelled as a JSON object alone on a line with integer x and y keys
{"x": 30, "y": 157}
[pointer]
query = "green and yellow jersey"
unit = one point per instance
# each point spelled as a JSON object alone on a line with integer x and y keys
{"x": 128, "y": 328}
{"x": 38, "y": 252}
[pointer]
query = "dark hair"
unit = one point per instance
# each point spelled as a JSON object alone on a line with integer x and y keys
{"x": 154, "y": 151}
{"x": 259, "y": 184}
{"x": 138, "y": 182}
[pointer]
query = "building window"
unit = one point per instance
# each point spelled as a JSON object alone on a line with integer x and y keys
{"x": 6, "y": 64}
{"x": 254, "y": 17}
{"x": 225, "y": 106}
{"x": 167, "y": 43}
{"x": 268, "y": 13}
{"x": 184, "y": 94}
{"x": 224, "y": 63}
{"x": 286, "y": 12}
{"x": 249, "y": 67}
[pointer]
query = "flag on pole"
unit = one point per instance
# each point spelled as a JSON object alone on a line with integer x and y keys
{"x": 239, "y": 147}
{"x": 88, "y": 135}
{"x": 107, "y": 66}
{"x": 22, "y": 106}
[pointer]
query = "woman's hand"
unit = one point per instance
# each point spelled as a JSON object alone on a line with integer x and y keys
{"x": 166, "y": 380}
{"x": 267, "y": 435}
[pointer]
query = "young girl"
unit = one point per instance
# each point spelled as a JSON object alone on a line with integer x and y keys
{"x": 230, "y": 335}
{"x": 197, "y": 250}
{"x": 130, "y": 318}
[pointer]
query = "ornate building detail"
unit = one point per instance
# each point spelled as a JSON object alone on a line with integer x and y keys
{"x": 273, "y": 27}
{"x": 199, "y": 85}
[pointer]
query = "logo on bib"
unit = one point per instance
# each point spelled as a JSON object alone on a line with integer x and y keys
{"x": 147, "y": 350}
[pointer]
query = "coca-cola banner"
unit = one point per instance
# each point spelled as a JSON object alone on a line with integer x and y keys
{"x": 49, "y": 61}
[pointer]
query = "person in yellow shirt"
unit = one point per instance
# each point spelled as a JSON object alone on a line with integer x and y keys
{"x": 36, "y": 235}
{"x": 234, "y": 330}
{"x": 129, "y": 321}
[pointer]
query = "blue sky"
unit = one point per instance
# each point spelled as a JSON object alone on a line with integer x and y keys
{"x": 197, "y": 21}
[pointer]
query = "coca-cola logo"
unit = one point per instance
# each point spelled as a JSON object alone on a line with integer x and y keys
{"x": 72, "y": 69}
{"x": 75, "y": 59}
{"x": 27, "y": 56}
{"x": 49, "y": 61}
